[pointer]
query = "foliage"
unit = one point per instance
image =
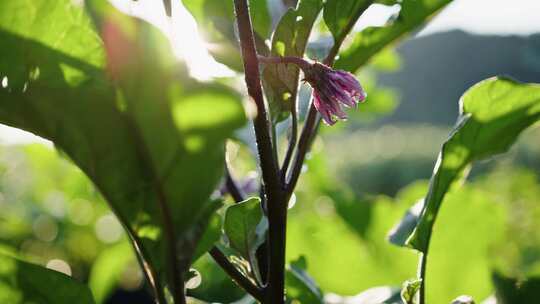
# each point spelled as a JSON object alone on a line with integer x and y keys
{"x": 23, "y": 282}
{"x": 136, "y": 182}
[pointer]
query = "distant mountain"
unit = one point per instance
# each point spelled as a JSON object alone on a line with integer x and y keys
{"x": 438, "y": 68}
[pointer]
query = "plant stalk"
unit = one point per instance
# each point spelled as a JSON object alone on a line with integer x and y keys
{"x": 422, "y": 276}
{"x": 274, "y": 290}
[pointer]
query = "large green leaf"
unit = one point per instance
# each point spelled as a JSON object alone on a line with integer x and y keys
{"x": 22, "y": 282}
{"x": 492, "y": 115}
{"x": 107, "y": 269}
{"x": 290, "y": 39}
{"x": 338, "y": 14}
{"x": 371, "y": 40}
{"x": 153, "y": 147}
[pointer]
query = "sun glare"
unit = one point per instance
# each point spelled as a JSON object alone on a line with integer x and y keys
{"x": 182, "y": 31}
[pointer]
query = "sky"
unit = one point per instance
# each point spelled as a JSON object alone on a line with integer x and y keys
{"x": 517, "y": 17}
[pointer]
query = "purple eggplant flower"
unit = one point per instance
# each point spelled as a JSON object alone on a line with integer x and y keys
{"x": 331, "y": 89}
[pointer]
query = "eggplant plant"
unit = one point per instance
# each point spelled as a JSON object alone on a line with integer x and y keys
{"x": 106, "y": 89}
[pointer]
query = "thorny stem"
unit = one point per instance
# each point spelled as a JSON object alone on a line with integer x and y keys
{"x": 276, "y": 206}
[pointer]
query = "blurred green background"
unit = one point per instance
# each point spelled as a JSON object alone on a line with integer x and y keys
{"x": 360, "y": 179}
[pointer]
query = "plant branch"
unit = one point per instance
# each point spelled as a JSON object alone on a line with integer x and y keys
{"x": 303, "y": 147}
{"x": 300, "y": 62}
{"x": 422, "y": 275}
{"x": 292, "y": 144}
{"x": 236, "y": 275}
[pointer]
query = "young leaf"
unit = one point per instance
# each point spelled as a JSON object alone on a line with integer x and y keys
{"x": 24, "y": 282}
{"x": 290, "y": 39}
{"x": 240, "y": 226}
{"x": 409, "y": 290}
{"x": 300, "y": 286}
{"x": 492, "y": 115}
{"x": 371, "y": 40}
{"x": 341, "y": 15}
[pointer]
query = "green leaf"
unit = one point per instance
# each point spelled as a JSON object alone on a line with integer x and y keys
{"x": 107, "y": 269}
{"x": 370, "y": 41}
{"x": 151, "y": 140}
{"x": 240, "y": 226}
{"x": 290, "y": 39}
{"x": 492, "y": 115}
{"x": 399, "y": 233}
{"x": 216, "y": 285}
{"x": 409, "y": 290}
{"x": 260, "y": 17}
{"x": 339, "y": 14}
{"x": 300, "y": 286}
{"x": 22, "y": 282}
{"x": 210, "y": 236}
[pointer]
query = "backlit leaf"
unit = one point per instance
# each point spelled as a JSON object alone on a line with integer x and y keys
{"x": 492, "y": 115}
{"x": 371, "y": 40}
